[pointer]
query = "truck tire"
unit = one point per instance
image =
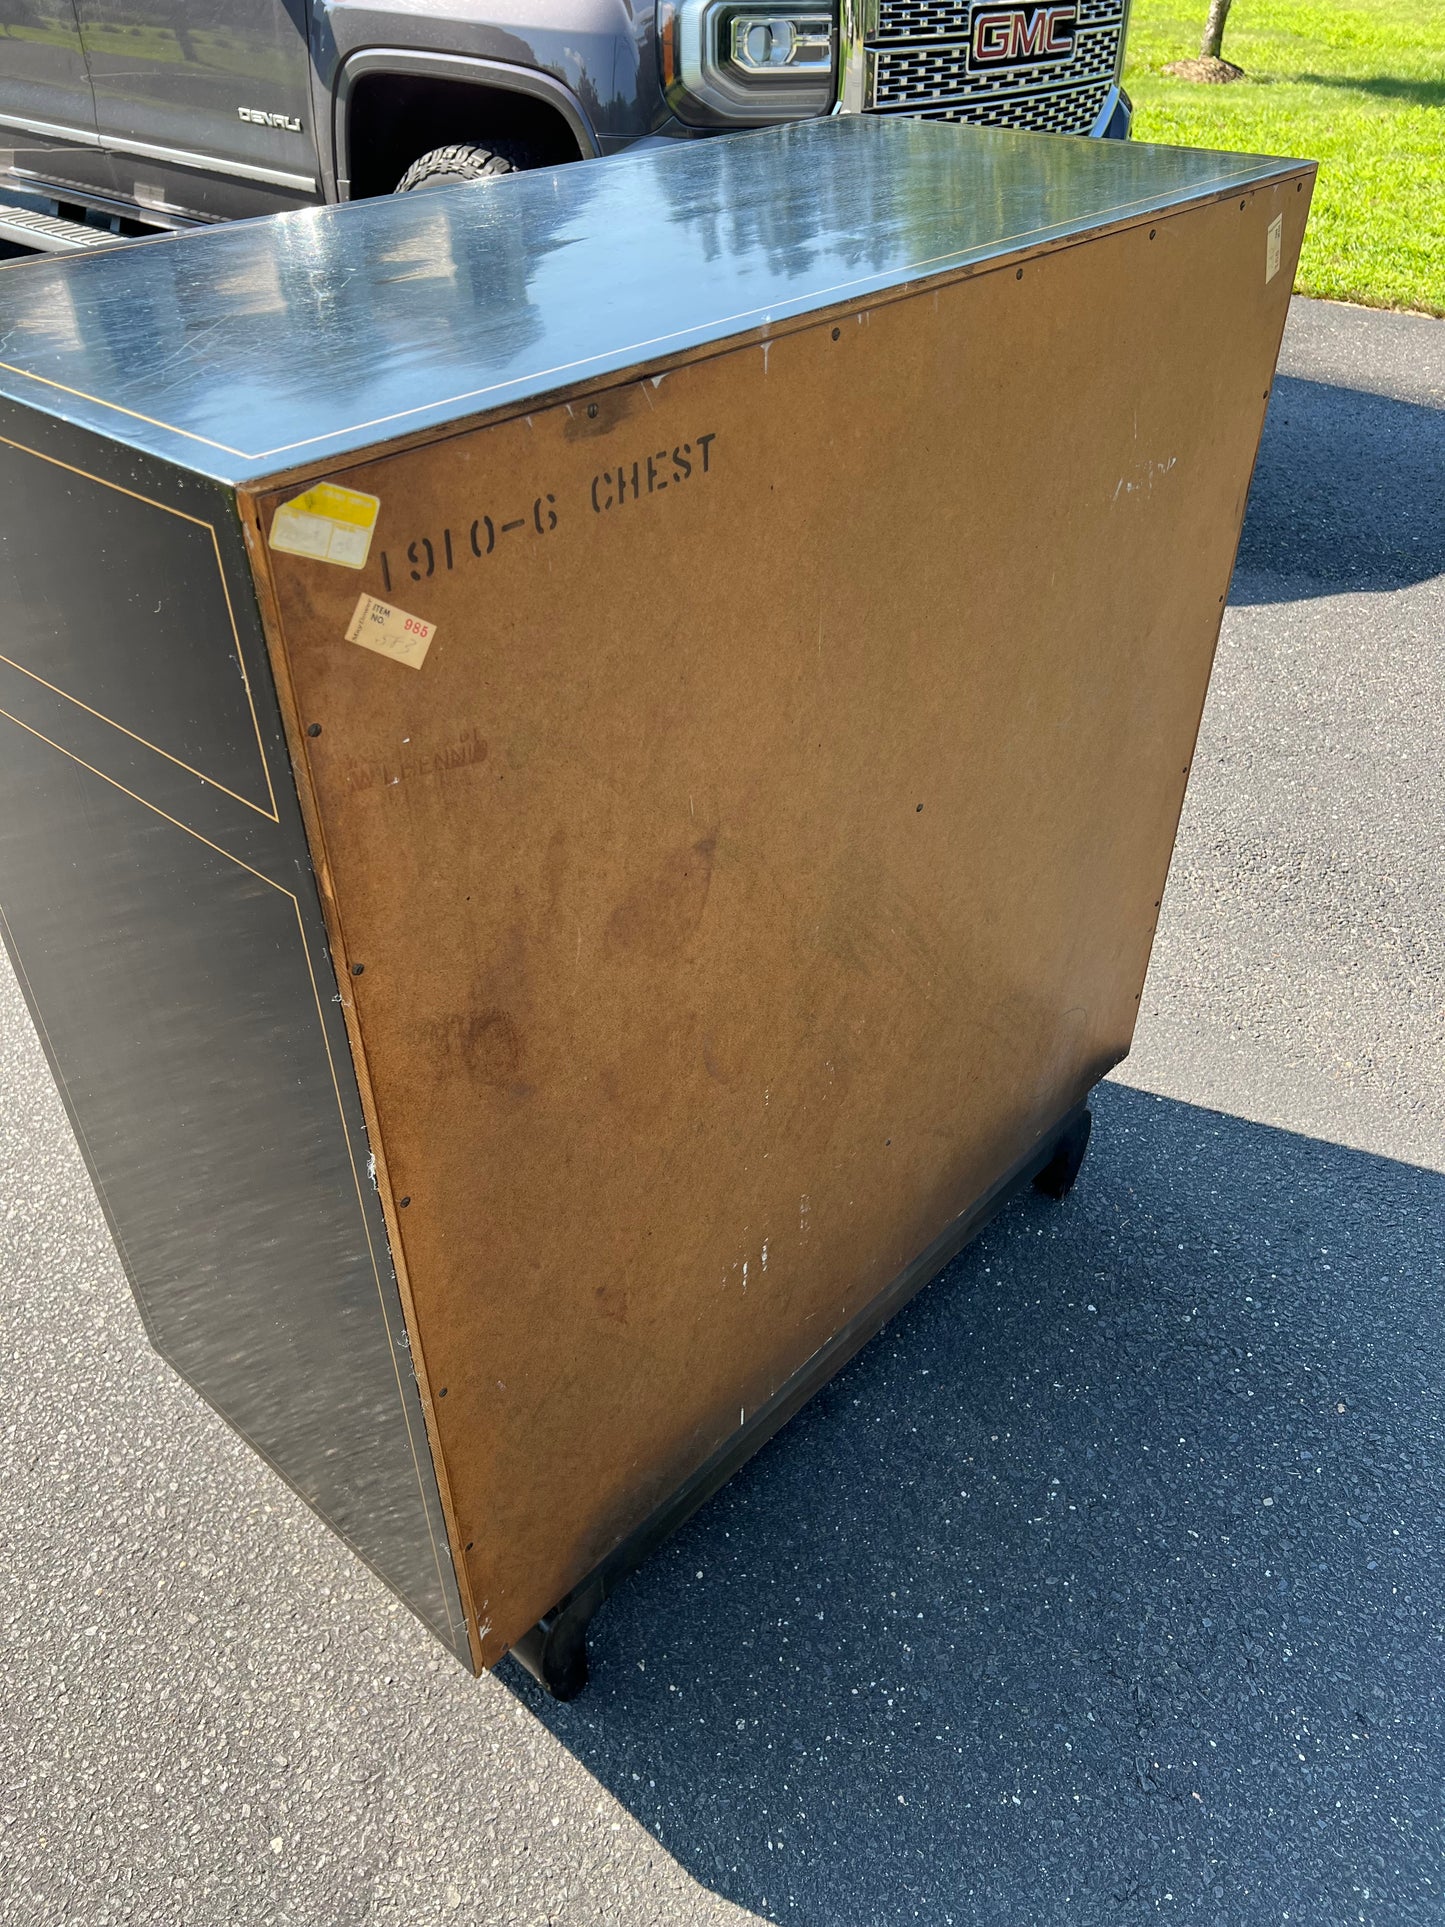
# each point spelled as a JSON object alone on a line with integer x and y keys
{"x": 447, "y": 166}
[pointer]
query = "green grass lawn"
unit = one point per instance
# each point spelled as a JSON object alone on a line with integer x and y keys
{"x": 1359, "y": 86}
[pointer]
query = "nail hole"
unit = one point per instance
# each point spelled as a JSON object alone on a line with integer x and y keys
{"x": 470, "y": 1544}
{"x": 442, "y": 1393}
{"x": 313, "y": 729}
{"x": 403, "y": 1201}
{"x": 1152, "y": 232}
{"x": 356, "y": 969}
{"x": 837, "y": 333}
{"x": 1020, "y": 275}
{"x": 592, "y": 411}
{"x": 920, "y": 809}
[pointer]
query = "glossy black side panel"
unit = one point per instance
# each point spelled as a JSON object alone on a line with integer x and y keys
{"x": 153, "y": 572}
{"x": 160, "y": 909}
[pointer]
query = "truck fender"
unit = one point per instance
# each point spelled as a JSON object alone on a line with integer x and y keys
{"x": 472, "y": 68}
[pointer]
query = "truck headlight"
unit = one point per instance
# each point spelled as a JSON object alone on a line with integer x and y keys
{"x": 726, "y": 63}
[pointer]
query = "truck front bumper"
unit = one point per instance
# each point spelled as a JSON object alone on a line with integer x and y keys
{"x": 1116, "y": 116}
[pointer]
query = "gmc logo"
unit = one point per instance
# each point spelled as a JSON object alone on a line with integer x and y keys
{"x": 1019, "y": 36}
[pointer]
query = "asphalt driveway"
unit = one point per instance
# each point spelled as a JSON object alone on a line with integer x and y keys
{"x": 1108, "y": 1585}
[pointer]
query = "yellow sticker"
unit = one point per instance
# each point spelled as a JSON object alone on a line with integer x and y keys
{"x": 328, "y": 523}
{"x": 1272, "y": 247}
{"x": 390, "y": 632}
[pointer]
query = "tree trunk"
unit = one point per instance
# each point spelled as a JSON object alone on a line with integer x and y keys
{"x": 1214, "y": 29}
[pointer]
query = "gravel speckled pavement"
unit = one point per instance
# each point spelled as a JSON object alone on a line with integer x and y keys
{"x": 1108, "y": 1585}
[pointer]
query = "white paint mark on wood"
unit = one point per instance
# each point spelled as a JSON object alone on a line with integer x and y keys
{"x": 1143, "y": 480}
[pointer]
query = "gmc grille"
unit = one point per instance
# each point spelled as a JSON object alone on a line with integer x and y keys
{"x": 948, "y": 19}
{"x": 1072, "y": 111}
{"x": 917, "y": 61}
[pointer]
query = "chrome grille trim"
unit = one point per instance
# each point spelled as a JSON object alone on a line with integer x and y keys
{"x": 948, "y": 19}
{"x": 934, "y": 74}
{"x": 1069, "y": 110}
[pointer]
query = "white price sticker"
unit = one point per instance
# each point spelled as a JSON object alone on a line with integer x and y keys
{"x": 1272, "y": 247}
{"x": 390, "y": 632}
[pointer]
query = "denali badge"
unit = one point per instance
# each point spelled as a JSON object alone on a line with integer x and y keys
{"x": 258, "y": 119}
{"x": 1021, "y": 36}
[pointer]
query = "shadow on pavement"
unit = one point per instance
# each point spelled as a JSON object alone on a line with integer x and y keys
{"x": 1105, "y": 1585}
{"x": 1349, "y": 494}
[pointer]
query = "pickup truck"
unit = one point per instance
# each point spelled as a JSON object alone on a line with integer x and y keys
{"x": 118, "y": 117}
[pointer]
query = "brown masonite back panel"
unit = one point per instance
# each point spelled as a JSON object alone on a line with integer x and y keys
{"x": 768, "y": 848}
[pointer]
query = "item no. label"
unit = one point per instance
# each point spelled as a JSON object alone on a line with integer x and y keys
{"x": 327, "y": 523}
{"x": 390, "y": 632}
{"x": 1272, "y": 241}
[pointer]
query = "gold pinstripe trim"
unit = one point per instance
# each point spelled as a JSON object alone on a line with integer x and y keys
{"x": 273, "y": 814}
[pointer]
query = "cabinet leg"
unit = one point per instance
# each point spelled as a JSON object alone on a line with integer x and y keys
{"x": 554, "y": 1651}
{"x": 1056, "y": 1179}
